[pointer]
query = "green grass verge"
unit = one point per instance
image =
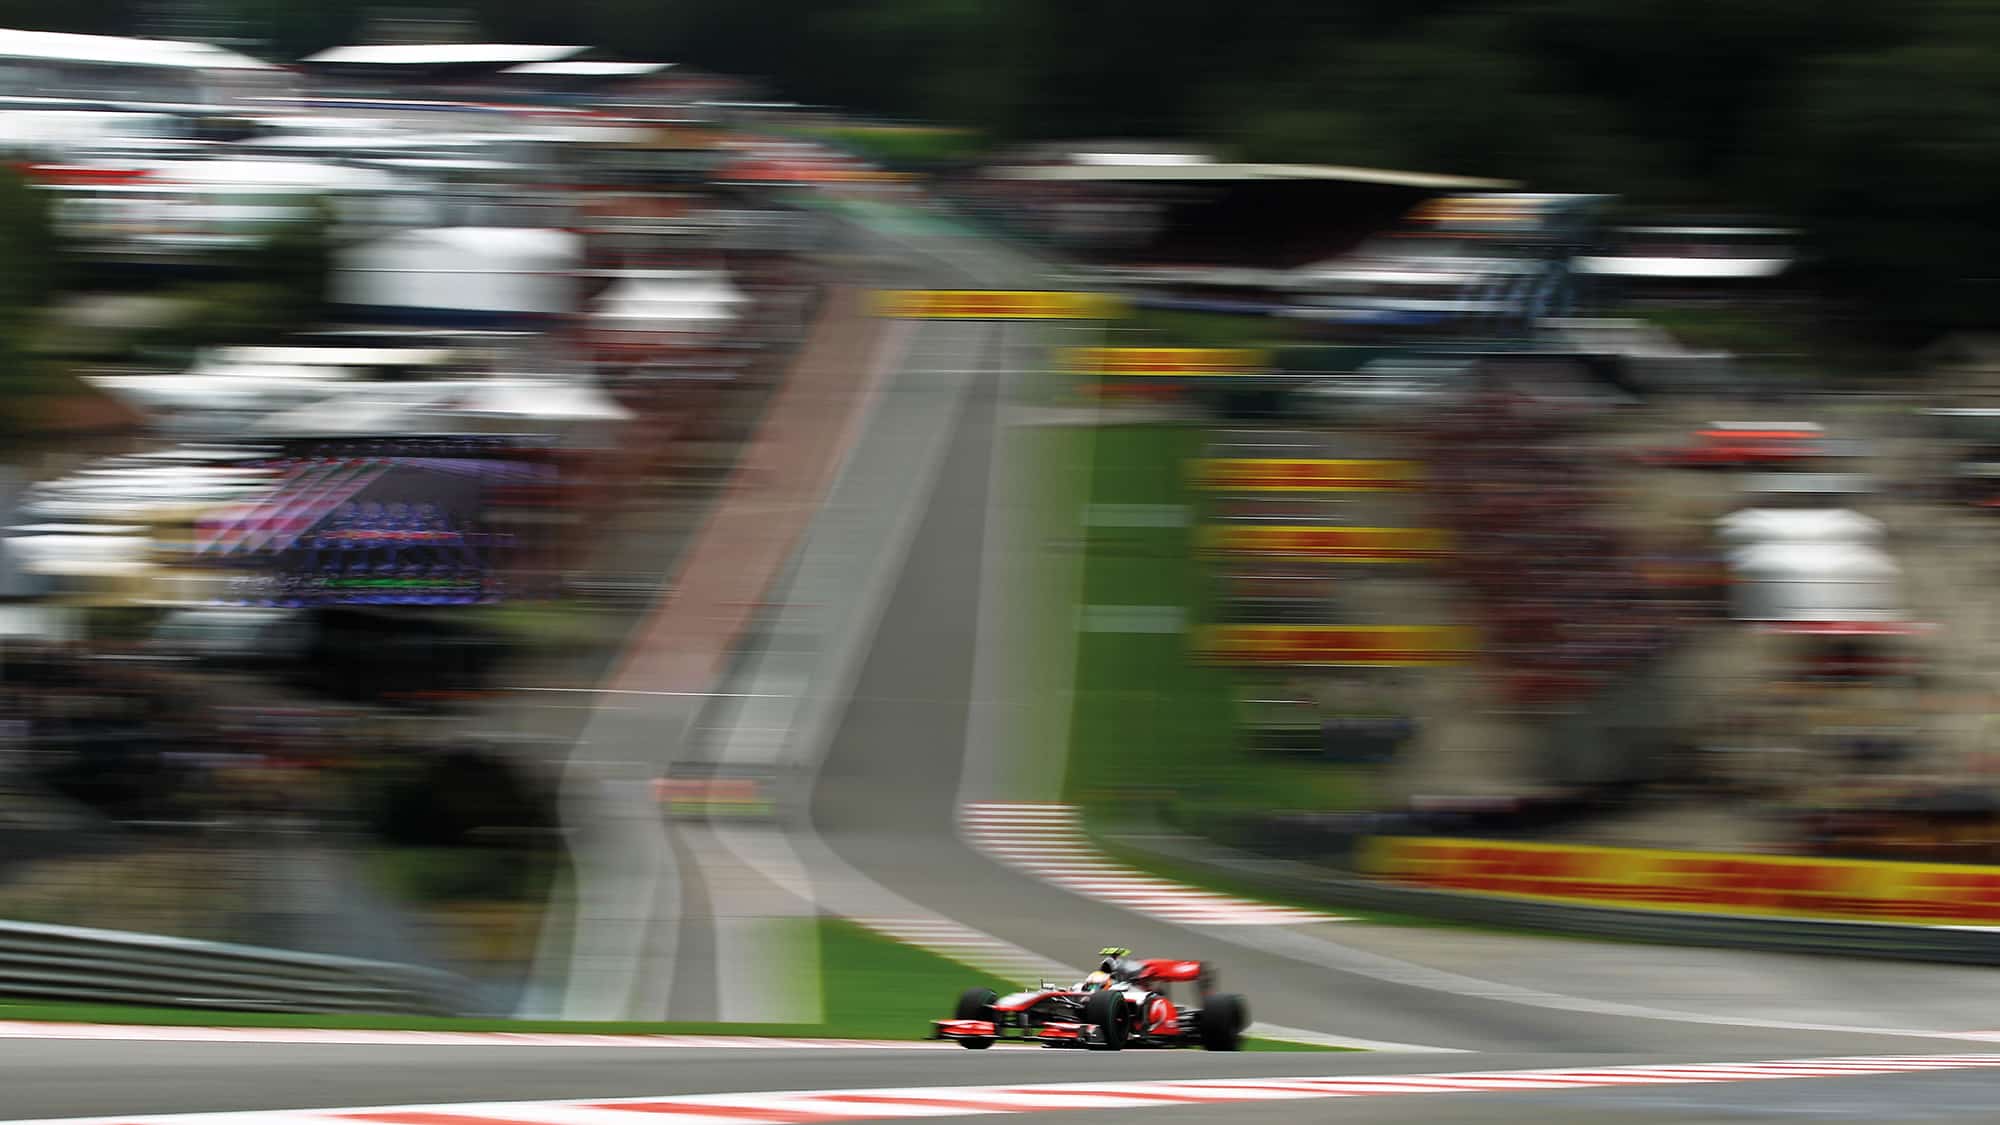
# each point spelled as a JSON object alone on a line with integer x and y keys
{"x": 1784, "y": 344}
{"x": 895, "y": 989}
{"x": 1732, "y": 328}
{"x": 188, "y": 1017}
{"x": 900, "y": 146}
{"x": 1052, "y": 467}
{"x": 546, "y": 623}
{"x": 1146, "y": 716}
{"x": 875, "y": 988}
{"x": 1176, "y": 328}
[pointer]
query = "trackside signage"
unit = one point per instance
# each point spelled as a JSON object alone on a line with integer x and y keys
{"x": 1306, "y": 543}
{"x": 1354, "y": 646}
{"x": 1167, "y": 362}
{"x": 994, "y": 304}
{"x": 1281, "y": 474}
{"x": 1699, "y": 882}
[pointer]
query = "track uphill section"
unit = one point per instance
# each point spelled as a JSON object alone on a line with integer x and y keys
{"x": 1047, "y": 841}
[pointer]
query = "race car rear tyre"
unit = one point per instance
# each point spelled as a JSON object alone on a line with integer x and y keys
{"x": 977, "y": 1004}
{"x": 1108, "y": 1011}
{"x": 1223, "y": 1019}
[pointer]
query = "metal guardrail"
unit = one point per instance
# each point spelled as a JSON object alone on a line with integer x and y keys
{"x": 69, "y": 963}
{"x": 1291, "y": 879}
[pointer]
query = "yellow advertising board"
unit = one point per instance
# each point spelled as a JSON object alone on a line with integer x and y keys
{"x": 1281, "y": 474}
{"x": 994, "y": 304}
{"x": 1306, "y": 543}
{"x": 1166, "y": 362}
{"x": 1701, "y": 882}
{"x": 1355, "y": 646}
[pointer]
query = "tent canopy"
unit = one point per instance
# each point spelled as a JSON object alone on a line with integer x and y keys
{"x": 333, "y": 356}
{"x": 364, "y": 410}
{"x": 1812, "y": 562}
{"x": 305, "y": 175}
{"x": 442, "y": 54}
{"x": 118, "y": 50}
{"x": 512, "y": 271}
{"x": 557, "y": 400}
{"x": 1806, "y": 581}
{"x": 211, "y": 386}
{"x": 1799, "y": 525}
{"x": 572, "y": 68}
{"x": 84, "y": 556}
{"x": 449, "y": 407}
{"x": 670, "y": 299}
{"x": 513, "y": 246}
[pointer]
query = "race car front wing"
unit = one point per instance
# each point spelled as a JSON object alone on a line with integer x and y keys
{"x": 1071, "y": 1035}
{"x": 1058, "y": 1034}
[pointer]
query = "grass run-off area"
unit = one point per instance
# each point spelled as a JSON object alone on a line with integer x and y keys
{"x": 874, "y": 988}
{"x": 1183, "y": 329}
{"x": 900, "y": 146}
{"x": 1148, "y": 719}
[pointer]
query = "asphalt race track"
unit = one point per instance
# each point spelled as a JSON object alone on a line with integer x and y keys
{"x": 885, "y": 804}
{"x": 53, "y": 1079}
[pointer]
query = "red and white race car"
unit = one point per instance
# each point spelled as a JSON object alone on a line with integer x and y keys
{"x": 1125, "y": 1003}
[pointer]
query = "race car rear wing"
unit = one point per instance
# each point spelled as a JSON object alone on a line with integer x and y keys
{"x": 1166, "y": 969}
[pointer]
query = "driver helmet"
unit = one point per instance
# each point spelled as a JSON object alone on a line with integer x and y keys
{"x": 1112, "y": 956}
{"x": 1096, "y": 981}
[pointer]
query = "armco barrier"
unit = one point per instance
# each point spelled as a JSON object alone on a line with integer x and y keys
{"x": 1955, "y": 945}
{"x": 69, "y": 963}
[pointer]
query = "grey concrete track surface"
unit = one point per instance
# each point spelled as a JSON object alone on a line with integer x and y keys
{"x": 54, "y": 1079}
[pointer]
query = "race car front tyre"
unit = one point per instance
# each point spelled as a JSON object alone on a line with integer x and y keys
{"x": 1223, "y": 1019}
{"x": 1108, "y": 1011}
{"x": 977, "y": 1004}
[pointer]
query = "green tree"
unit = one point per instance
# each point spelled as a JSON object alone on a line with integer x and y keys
{"x": 1448, "y": 98}
{"x": 278, "y": 287}
{"x": 31, "y": 264}
{"x": 31, "y": 261}
{"x": 1892, "y": 157}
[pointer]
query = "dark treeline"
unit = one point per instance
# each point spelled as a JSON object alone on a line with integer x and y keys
{"x": 1875, "y": 124}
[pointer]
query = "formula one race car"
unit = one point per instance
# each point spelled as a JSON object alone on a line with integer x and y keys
{"x": 1125, "y": 1003}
